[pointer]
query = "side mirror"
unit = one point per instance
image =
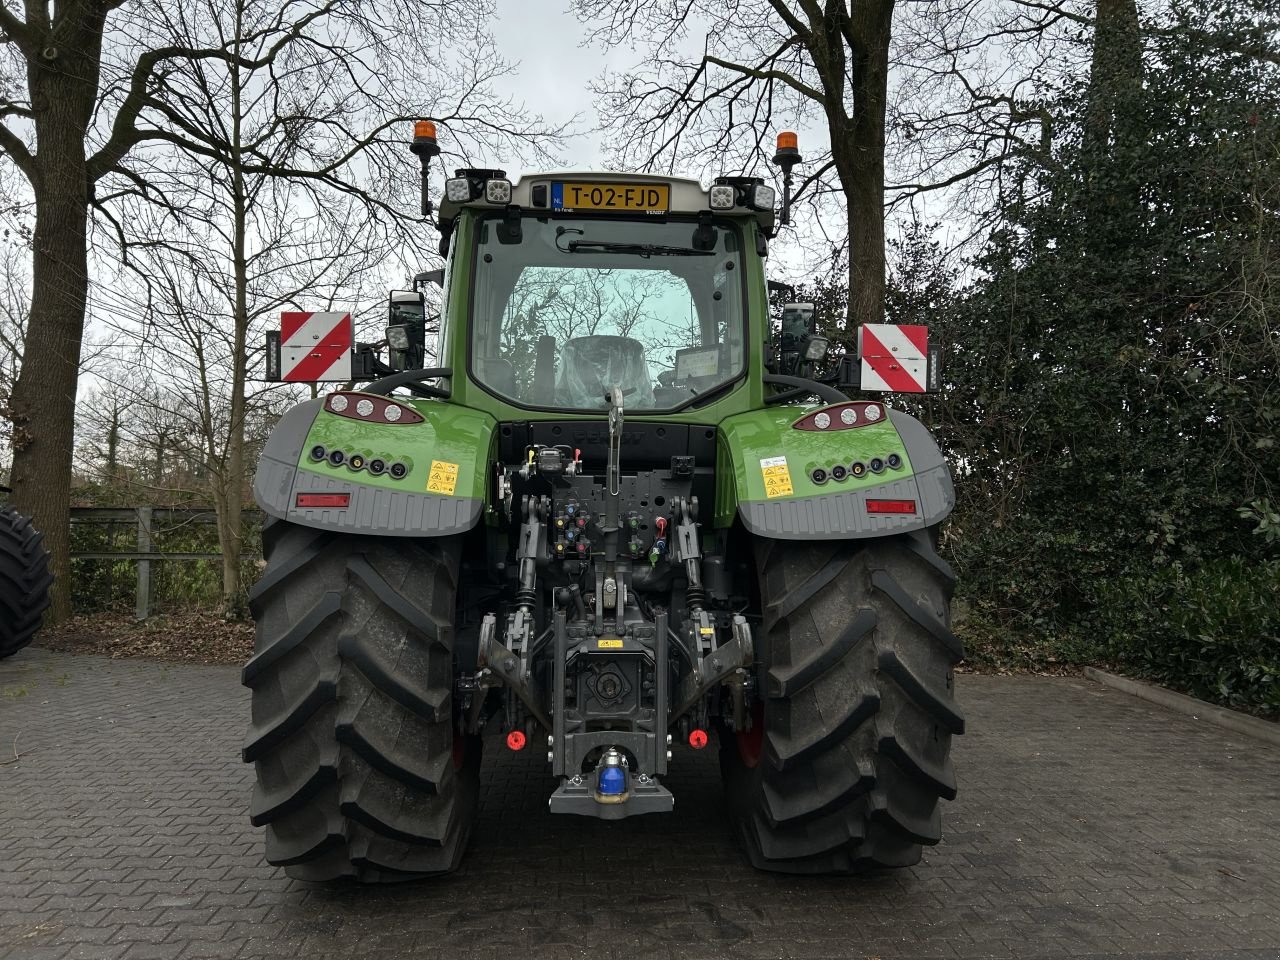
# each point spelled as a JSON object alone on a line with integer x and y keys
{"x": 407, "y": 329}
{"x": 799, "y": 345}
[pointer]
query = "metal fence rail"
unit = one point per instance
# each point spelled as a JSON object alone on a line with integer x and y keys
{"x": 144, "y": 555}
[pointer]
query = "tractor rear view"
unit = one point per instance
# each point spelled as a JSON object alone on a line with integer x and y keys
{"x": 624, "y": 516}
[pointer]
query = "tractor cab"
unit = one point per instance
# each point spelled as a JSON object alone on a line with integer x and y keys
{"x": 575, "y": 282}
{"x": 578, "y": 282}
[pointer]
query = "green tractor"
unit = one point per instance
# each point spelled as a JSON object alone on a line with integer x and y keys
{"x": 625, "y": 515}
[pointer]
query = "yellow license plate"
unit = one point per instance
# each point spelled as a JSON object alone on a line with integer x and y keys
{"x": 626, "y": 197}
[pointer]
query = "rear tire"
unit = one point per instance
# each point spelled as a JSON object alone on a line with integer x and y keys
{"x": 850, "y": 753}
{"x": 24, "y": 581}
{"x": 352, "y": 737}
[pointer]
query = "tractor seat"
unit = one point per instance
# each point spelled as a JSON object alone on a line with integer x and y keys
{"x": 590, "y": 365}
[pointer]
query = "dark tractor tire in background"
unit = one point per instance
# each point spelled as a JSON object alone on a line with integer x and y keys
{"x": 849, "y": 754}
{"x": 24, "y": 581}
{"x": 359, "y": 773}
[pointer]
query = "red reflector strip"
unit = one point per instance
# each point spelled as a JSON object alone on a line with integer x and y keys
{"x": 323, "y": 500}
{"x": 891, "y": 506}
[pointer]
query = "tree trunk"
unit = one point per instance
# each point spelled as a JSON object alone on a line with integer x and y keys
{"x": 871, "y": 28}
{"x": 857, "y": 137}
{"x": 44, "y": 397}
{"x": 113, "y": 443}
{"x": 227, "y": 502}
{"x": 230, "y": 526}
{"x": 864, "y": 201}
{"x": 1115, "y": 78}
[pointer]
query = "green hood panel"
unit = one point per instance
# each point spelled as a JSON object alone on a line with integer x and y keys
{"x": 442, "y": 493}
{"x": 765, "y": 476}
{"x": 456, "y": 439}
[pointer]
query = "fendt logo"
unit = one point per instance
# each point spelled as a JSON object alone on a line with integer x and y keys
{"x": 587, "y": 437}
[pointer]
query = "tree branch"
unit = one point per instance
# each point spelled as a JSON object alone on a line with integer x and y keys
{"x": 22, "y": 158}
{"x": 760, "y": 74}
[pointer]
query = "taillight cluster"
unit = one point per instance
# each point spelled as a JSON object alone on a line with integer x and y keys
{"x": 857, "y": 470}
{"x": 370, "y": 407}
{"x": 842, "y": 416}
{"x": 357, "y": 461}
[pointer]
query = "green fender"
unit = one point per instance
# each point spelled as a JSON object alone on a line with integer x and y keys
{"x": 442, "y": 492}
{"x": 765, "y": 476}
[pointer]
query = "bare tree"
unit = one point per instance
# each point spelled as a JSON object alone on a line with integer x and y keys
{"x": 14, "y": 307}
{"x": 969, "y": 120}
{"x": 106, "y": 77}
{"x": 764, "y": 64}
{"x": 215, "y": 288}
{"x": 933, "y": 107}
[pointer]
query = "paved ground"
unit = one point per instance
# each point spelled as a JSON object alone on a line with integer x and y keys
{"x": 1088, "y": 824}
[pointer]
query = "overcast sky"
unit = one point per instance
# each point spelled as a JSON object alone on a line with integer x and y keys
{"x": 553, "y": 76}
{"x": 554, "y": 68}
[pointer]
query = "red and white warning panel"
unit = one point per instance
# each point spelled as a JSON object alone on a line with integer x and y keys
{"x": 895, "y": 358}
{"x": 315, "y": 346}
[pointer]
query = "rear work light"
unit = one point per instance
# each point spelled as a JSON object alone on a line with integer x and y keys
{"x": 370, "y": 408}
{"x": 497, "y": 191}
{"x": 841, "y": 416}
{"x": 339, "y": 500}
{"x": 891, "y": 506}
{"x": 723, "y": 197}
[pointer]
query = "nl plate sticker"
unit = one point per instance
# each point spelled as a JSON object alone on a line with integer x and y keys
{"x": 443, "y": 478}
{"x": 777, "y": 478}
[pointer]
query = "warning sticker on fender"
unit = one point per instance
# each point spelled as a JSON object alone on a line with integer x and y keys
{"x": 443, "y": 477}
{"x": 609, "y": 644}
{"x": 777, "y": 478}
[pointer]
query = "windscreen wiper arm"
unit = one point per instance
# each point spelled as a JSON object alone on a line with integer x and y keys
{"x": 641, "y": 249}
{"x": 707, "y": 394}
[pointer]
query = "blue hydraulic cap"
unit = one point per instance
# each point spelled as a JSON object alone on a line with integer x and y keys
{"x": 611, "y": 777}
{"x": 612, "y": 781}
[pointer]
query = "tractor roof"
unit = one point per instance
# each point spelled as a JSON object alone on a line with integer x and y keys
{"x": 534, "y": 191}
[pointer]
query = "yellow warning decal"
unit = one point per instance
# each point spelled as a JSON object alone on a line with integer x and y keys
{"x": 609, "y": 644}
{"x": 443, "y": 478}
{"x": 706, "y": 631}
{"x": 777, "y": 478}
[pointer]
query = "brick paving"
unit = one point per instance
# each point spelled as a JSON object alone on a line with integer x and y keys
{"x": 1088, "y": 825}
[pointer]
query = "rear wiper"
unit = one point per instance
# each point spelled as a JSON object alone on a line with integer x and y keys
{"x": 641, "y": 249}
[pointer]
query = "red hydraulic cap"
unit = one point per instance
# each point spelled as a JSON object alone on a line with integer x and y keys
{"x": 516, "y": 740}
{"x": 698, "y": 739}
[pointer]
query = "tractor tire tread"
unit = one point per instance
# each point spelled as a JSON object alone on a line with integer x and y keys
{"x": 855, "y": 755}
{"x": 791, "y": 680}
{"x": 352, "y": 734}
{"x": 25, "y": 581}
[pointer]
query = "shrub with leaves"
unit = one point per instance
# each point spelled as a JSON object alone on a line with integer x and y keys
{"x": 1114, "y": 373}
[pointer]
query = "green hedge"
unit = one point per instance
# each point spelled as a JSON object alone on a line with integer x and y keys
{"x": 1213, "y": 632}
